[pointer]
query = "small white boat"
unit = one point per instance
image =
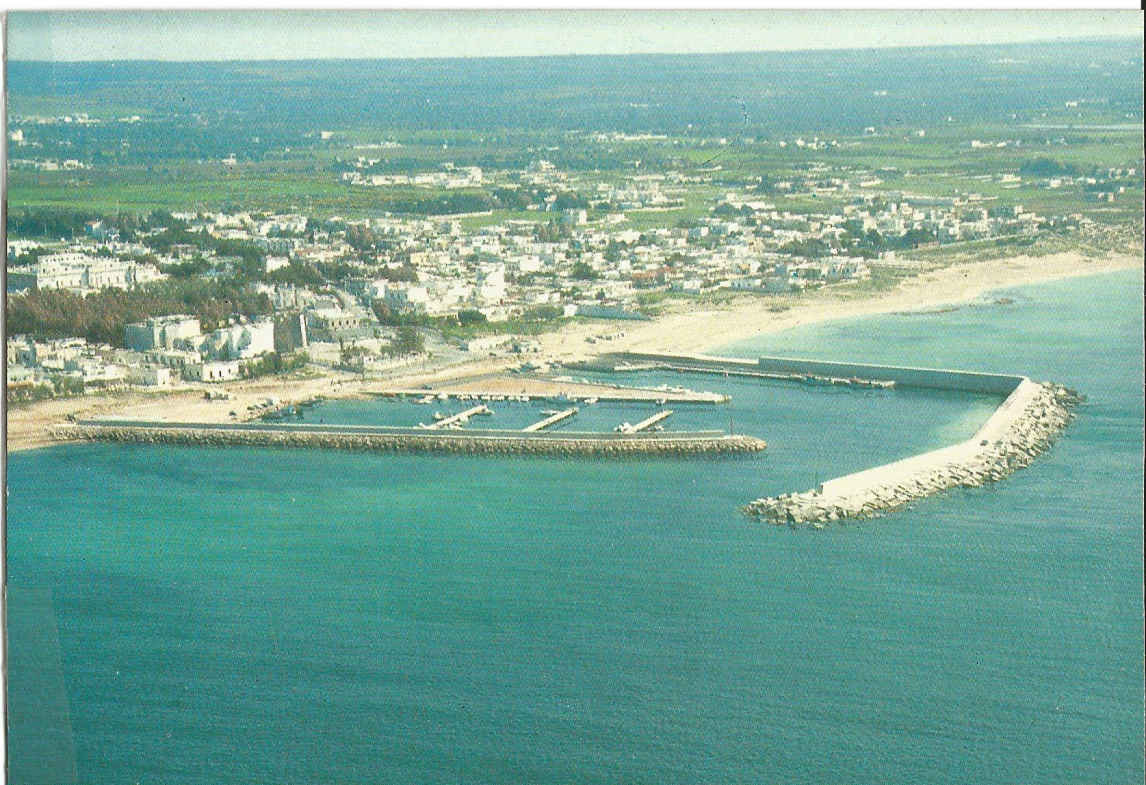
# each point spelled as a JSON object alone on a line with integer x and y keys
{"x": 592, "y": 399}
{"x": 439, "y": 416}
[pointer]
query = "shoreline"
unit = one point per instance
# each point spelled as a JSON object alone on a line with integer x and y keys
{"x": 706, "y": 331}
{"x": 692, "y": 328}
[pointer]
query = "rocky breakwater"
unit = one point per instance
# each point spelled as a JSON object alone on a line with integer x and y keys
{"x": 1021, "y": 429}
{"x": 472, "y": 444}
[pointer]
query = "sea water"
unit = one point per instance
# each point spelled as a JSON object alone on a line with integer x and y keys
{"x": 256, "y": 615}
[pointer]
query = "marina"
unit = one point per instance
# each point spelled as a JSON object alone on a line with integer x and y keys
{"x": 1023, "y": 423}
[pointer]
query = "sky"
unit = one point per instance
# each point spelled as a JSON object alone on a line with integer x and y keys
{"x": 278, "y": 35}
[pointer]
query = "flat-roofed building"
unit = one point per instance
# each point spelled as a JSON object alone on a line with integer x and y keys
{"x": 240, "y": 341}
{"x": 161, "y": 332}
{"x": 79, "y": 271}
{"x": 212, "y": 371}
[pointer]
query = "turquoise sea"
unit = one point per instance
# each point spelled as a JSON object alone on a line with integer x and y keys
{"x": 181, "y": 615}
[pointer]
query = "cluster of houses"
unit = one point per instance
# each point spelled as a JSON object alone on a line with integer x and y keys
{"x": 159, "y": 352}
{"x": 449, "y": 177}
{"x": 591, "y": 262}
{"x": 178, "y": 344}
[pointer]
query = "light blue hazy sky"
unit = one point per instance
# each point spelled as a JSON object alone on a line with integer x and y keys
{"x": 244, "y": 35}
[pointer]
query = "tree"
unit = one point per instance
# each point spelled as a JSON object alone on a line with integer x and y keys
{"x": 405, "y": 342}
{"x": 811, "y": 247}
{"x": 1047, "y": 167}
{"x": 471, "y": 316}
{"x": 583, "y": 272}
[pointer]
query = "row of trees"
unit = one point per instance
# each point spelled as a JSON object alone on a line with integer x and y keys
{"x": 856, "y": 241}
{"x": 55, "y": 222}
{"x": 251, "y": 259}
{"x": 101, "y": 317}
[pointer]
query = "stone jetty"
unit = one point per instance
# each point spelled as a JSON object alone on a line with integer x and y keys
{"x": 1022, "y": 428}
{"x": 568, "y": 445}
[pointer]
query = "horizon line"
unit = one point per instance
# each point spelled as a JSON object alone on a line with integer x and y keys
{"x": 732, "y": 52}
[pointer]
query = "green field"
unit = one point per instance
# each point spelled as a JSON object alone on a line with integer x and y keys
{"x": 304, "y": 180}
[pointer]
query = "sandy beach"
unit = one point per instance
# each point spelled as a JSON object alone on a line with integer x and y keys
{"x": 686, "y": 327}
{"x": 699, "y": 329}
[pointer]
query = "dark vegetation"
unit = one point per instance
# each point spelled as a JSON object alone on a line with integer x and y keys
{"x": 274, "y": 363}
{"x": 100, "y": 317}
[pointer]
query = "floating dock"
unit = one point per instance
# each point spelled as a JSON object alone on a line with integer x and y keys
{"x": 552, "y": 419}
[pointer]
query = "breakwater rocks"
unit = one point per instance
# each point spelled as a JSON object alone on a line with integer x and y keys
{"x": 469, "y": 444}
{"x": 1020, "y": 430}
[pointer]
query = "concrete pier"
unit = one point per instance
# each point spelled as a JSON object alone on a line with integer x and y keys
{"x": 552, "y": 419}
{"x": 460, "y": 417}
{"x": 798, "y": 369}
{"x": 605, "y": 393}
{"x": 647, "y": 423}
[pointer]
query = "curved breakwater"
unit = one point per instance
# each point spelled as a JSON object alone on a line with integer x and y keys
{"x": 1022, "y": 428}
{"x": 592, "y": 445}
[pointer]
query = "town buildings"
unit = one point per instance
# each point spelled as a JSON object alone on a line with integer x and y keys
{"x": 79, "y": 272}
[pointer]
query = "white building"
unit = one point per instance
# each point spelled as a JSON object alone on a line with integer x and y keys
{"x": 401, "y": 297}
{"x": 240, "y": 341}
{"x": 161, "y": 332}
{"x": 212, "y": 371}
{"x": 78, "y": 271}
{"x": 490, "y": 283}
{"x": 575, "y": 217}
{"x": 150, "y": 376}
{"x": 276, "y": 262}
